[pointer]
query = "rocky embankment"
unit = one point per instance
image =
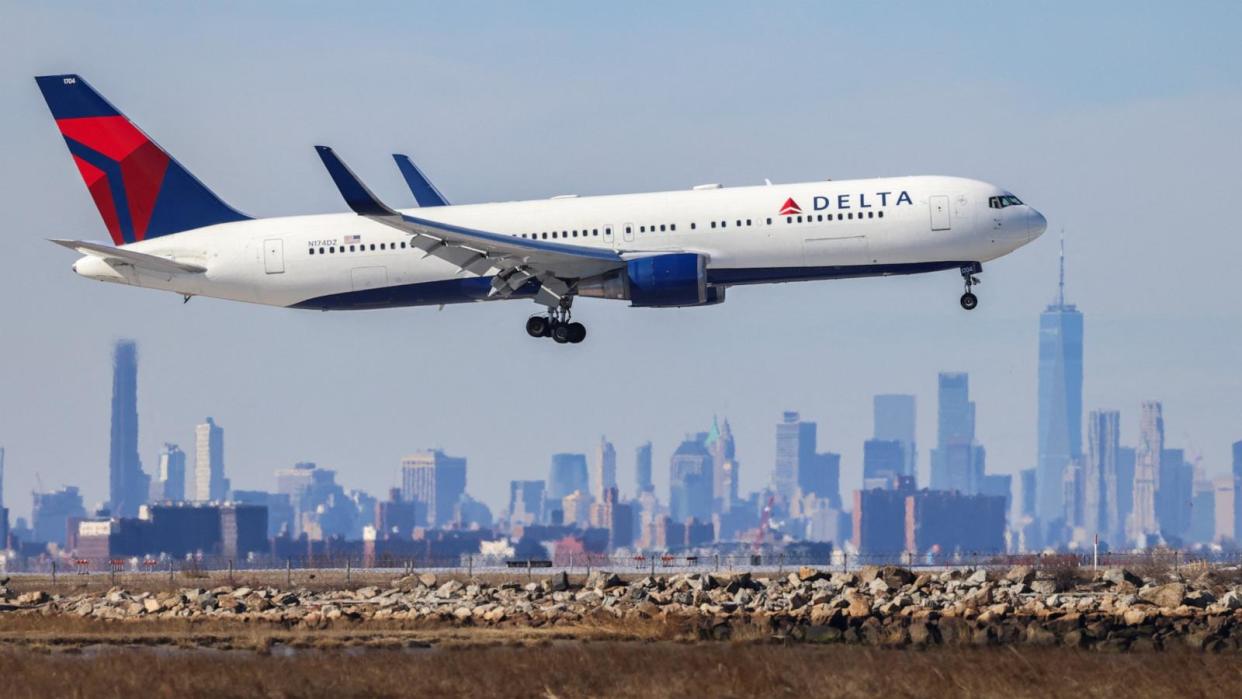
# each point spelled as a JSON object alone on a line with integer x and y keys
{"x": 888, "y": 606}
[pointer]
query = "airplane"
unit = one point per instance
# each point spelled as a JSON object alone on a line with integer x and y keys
{"x": 656, "y": 250}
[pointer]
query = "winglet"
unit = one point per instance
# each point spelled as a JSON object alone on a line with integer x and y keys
{"x": 356, "y": 194}
{"x": 425, "y": 193}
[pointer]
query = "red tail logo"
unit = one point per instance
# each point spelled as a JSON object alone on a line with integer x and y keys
{"x": 790, "y": 207}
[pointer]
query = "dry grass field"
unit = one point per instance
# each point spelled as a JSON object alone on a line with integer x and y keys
{"x": 619, "y": 669}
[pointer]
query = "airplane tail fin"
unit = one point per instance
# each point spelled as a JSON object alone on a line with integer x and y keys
{"x": 141, "y": 191}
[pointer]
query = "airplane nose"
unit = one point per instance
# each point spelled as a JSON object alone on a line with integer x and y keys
{"x": 1036, "y": 225}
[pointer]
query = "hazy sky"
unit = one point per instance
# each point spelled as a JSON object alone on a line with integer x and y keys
{"x": 1119, "y": 121}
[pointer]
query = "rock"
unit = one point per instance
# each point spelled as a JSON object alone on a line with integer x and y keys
{"x": 427, "y": 580}
{"x": 821, "y": 614}
{"x": 808, "y": 574}
{"x": 448, "y": 589}
{"x": 152, "y": 605}
{"x": 1168, "y": 596}
{"x": 1134, "y": 616}
{"x": 978, "y": 577}
{"x": 1043, "y": 587}
{"x": 1200, "y": 598}
{"x": 1232, "y": 600}
{"x": 32, "y": 598}
{"x": 859, "y": 606}
{"x": 1117, "y": 576}
{"x": 877, "y": 586}
{"x": 1022, "y": 575}
{"x": 561, "y": 582}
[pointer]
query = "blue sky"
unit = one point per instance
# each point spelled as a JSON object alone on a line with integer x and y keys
{"x": 1117, "y": 120}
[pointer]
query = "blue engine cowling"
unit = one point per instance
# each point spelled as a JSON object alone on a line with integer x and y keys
{"x": 659, "y": 281}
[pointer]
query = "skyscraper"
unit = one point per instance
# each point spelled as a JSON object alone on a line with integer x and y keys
{"x": 820, "y": 475}
{"x": 642, "y": 468}
{"x": 1144, "y": 526}
{"x": 1060, "y": 398}
{"x": 434, "y": 478}
{"x": 1174, "y": 495}
{"x": 1237, "y": 459}
{"x": 1100, "y": 507}
{"x": 128, "y": 484}
{"x": 605, "y": 469}
{"x": 568, "y": 474}
{"x": 170, "y": 484}
{"x": 894, "y": 416}
{"x": 526, "y": 501}
{"x": 957, "y": 462}
{"x": 795, "y": 445}
{"x": 209, "y": 480}
{"x": 690, "y": 481}
{"x": 720, "y": 444}
{"x": 884, "y": 460}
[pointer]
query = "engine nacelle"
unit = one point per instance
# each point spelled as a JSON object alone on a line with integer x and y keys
{"x": 659, "y": 281}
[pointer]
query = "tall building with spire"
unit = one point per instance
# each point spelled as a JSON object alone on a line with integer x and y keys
{"x": 1060, "y": 400}
{"x": 128, "y": 485}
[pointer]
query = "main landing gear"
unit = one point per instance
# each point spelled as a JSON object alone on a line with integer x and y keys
{"x": 557, "y": 325}
{"x": 969, "y": 300}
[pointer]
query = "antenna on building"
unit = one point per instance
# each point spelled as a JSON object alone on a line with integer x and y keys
{"x": 1061, "y": 280}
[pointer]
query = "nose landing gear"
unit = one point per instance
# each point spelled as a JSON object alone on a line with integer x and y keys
{"x": 969, "y": 300}
{"x": 557, "y": 325}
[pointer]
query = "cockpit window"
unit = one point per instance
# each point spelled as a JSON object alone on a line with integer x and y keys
{"x": 1002, "y": 201}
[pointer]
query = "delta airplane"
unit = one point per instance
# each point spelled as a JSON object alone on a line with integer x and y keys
{"x": 658, "y": 250}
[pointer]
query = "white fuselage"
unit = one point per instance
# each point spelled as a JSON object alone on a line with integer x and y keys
{"x": 844, "y": 228}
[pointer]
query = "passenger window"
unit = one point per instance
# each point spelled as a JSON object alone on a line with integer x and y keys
{"x": 724, "y": 223}
{"x": 769, "y": 221}
{"x": 739, "y": 223}
{"x": 672, "y": 226}
{"x": 661, "y": 227}
{"x": 748, "y": 222}
{"x": 799, "y": 219}
{"x": 693, "y": 225}
{"x": 870, "y": 214}
{"x": 320, "y": 251}
{"x": 713, "y": 224}
{"x": 312, "y": 251}
{"x": 629, "y": 229}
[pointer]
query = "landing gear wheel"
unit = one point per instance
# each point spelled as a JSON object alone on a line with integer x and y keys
{"x": 969, "y": 300}
{"x": 561, "y": 332}
{"x": 537, "y": 326}
{"x": 577, "y": 332}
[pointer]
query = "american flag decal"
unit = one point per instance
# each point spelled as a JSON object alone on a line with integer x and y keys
{"x": 353, "y": 239}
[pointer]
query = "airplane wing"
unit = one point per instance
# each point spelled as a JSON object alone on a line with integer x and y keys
{"x": 425, "y": 193}
{"x": 110, "y": 254}
{"x": 512, "y": 260}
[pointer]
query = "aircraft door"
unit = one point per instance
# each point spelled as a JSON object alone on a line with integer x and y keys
{"x": 274, "y": 256}
{"x": 939, "y": 205}
{"x": 628, "y": 231}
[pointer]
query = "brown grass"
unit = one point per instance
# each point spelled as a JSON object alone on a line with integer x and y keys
{"x": 564, "y": 669}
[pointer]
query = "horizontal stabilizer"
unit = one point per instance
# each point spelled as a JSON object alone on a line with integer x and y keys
{"x": 108, "y": 253}
{"x": 425, "y": 193}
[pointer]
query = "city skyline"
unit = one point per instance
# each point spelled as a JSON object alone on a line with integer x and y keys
{"x": 822, "y": 349}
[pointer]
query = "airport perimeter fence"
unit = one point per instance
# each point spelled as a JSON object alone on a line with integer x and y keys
{"x": 342, "y": 570}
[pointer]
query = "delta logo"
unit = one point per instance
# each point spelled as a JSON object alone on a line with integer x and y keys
{"x": 790, "y": 207}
